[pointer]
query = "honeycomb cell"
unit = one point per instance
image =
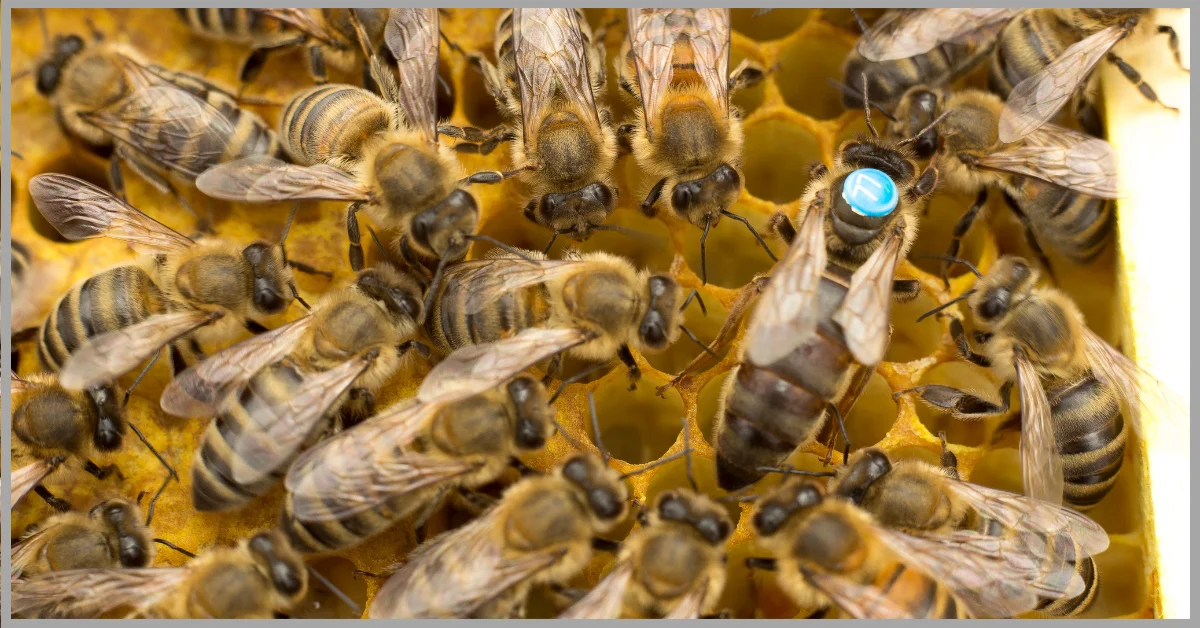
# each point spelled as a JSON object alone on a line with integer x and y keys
{"x": 872, "y": 416}
{"x": 805, "y": 67}
{"x": 733, "y": 254}
{"x": 912, "y": 340}
{"x": 637, "y": 426}
{"x": 937, "y": 229}
{"x": 999, "y": 468}
{"x": 774, "y": 25}
{"x": 967, "y": 377}
{"x": 477, "y": 105}
{"x": 778, "y": 155}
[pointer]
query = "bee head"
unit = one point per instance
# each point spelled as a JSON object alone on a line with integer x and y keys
{"x": 871, "y": 465}
{"x": 397, "y": 292}
{"x": 535, "y": 417}
{"x": 122, "y": 518}
{"x": 702, "y": 200}
{"x": 444, "y": 228}
{"x": 789, "y": 500}
{"x": 711, "y": 523}
{"x": 1007, "y": 281}
{"x": 918, "y": 109}
{"x": 49, "y": 71}
{"x": 576, "y": 213}
{"x": 272, "y": 553}
{"x": 603, "y": 490}
{"x": 660, "y": 325}
{"x": 272, "y": 277}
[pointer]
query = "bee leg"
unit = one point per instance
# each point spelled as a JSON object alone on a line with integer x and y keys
{"x": 572, "y": 594}
{"x": 110, "y": 426}
{"x": 1030, "y": 236}
{"x": 309, "y": 270}
{"x": 421, "y": 348}
{"x": 605, "y": 545}
{"x": 356, "y": 250}
{"x": 780, "y": 225}
{"x": 254, "y": 62}
{"x": 101, "y": 473}
{"x": 963, "y": 405}
{"x": 765, "y": 564}
{"x": 1135, "y": 77}
{"x": 471, "y": 502}
{"x": 837, "y": 414}
{"x": 964, "y": 348}
{"x": 493, "y": 176}
{"x": 949, "y": 460}
{"x": 451, "y": 45}
{"x": 57, "y": 503}
{"x": 635, "y": 373}
{"x": 960, "y": 231}
{"x": 747, "y": 74}
{"x": 905, "y": 290}
{"x": 115, "y": 179}
{"x": 316, "y": 65}
{"x": 652, "y": 199}
{"x": 1173, "y": 44}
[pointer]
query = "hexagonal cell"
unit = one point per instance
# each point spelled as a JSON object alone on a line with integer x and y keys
{"x": 872, "y": 416}
{"x": 967, "y": 377}
{"x": 999, "y": 468}
{"x": 733, "y": 254}
{"x": 912, "y": 340}
{"x": 644, "y": 241}
{"x": 1122, "y": 582}
{"x": 477, "y": 104}
{"x": 937, "y": 229}
{"x": 774, "y": 25}
{"x": 1120, "y": 512}
{"x": 637, "y": 426}
{"x": 678, "y": 355}
{"x": 805, "y": 68}
{"x": 320, "y": 602}
{"x": 776, "y": 159}
{"x": 445, "y": 92}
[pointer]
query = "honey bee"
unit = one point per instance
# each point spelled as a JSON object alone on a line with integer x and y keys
{"x": 380, "y": 154}
{"x": 618, "y": 306}
{"x": 470, "y": 417}
{"x": 156, "y": 122}
{"x": 331, "y": 38}
{"x": 676, "y": 69}
{"x": 1071, "y": 385}
{"x": 541, "y": 532}
{"x": 1055, "y": 179}
{"x": 260, "y": 577}
{"x": 188, "y": 292}
{"x": 909, "y": 47}
{"x": 829, "y": 551}
{"x": 913, "y": 495}
{"x": 551, "y": 77}
{"x": 1045, "y": 56}
{"x": 108, "y": 536}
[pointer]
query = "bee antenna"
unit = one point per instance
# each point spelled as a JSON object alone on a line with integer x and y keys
{"x": 379, "y": 245}
{"x": 570, "y": 441}
{"x": 626, "y": 231}
{"x": 287, "y": 227}
{"x": 962, "y": 297}
{"x": 299, "y": 299}
{"x": 546, "y": 251}
{"x": 500, "y": 245}
{"x": 364, "y": 40}
{"x": 955, "y": 260}
{"x": 154, "y": 500}
{"x": 575, "y": 378}
{"x": 655, "y": 464}
{"x": 173, "y": 546}
{"x": 925, "y": 130}
{"x": 791, "y": 471}
{"x": 354, "y": 608}
{"x": 867, "y": 106}
{"x": 687, "y": 455}
{"x": 14, "y": 153}
{"x": 697, "y": 341}
{"x": 858, "y": 18}
{"x": 854, "y": 92}
{"x": 754, "y": 232}
{"x": 596, "y": 429}
{"x": 738, "y": 496}
{"x": 431, "y": 293}
{"x": 694, "y": 294}
{"x": 45, "y": 27}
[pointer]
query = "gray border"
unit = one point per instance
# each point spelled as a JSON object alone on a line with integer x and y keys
{"x": 6, "y": 183}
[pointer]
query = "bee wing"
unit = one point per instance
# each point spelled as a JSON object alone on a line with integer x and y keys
{"x": 1035, "y": 100}
{"x": 89, "y": 593}
{"x": 905, "y": 33}
{"x": 457, "y": 574}
{"x": 861, "y": 601}
{"x": 281, "y": 427}
{"x": 1142, "y": 393}
{"x": 476, "y": 368}
{"x": 606, "y": 599}
{"x": 80, "y": 210}
{"x": 864, "y": 311}
{"x": 710, "y": 52}
{"x": 653, "y": 37}
{"x": 105, "y": 357}
{"x": 412, "y": 36}
{"x": 196, "y": 392}
{"x": 27, "y": 477}
{"x": 366, "y": 466}
{"x": 1063, "y": 157}
{"x": 24, "y": 551}
{"x": 301, "y": 20}
{"x": 486, "y": 280}
{"x": 551, "y": 61}
{"x": 690, "y": 605}
{"x": 787, "y": 313}
{"x": 19, "y": 385}
{"x": 34, "y": 296}
{"x": 1041, "y": 466}
{"x": 265, "y": 179}
{"x": 1017, "y": 512}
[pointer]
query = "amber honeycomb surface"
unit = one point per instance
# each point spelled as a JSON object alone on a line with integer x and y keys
{"x": 792, "y": 119}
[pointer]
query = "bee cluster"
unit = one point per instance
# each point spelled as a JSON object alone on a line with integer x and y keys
{"x": 474, "y": 408}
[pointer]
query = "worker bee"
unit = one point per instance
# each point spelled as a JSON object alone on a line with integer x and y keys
{"x": 154, "y": 121}
{"x": 1071, "y": 385}
{"x": 551, "y": 77}
{"x": 618, "y": 306}
{"x": 1044, "y": 56}
{"x": 260, "y": 577}
{"x": 915, "y": 496}
{"x": 541, "y": 532}
{"x": 380, "y": 154}
{"x": 909, "y": 47}
{"x": 1056, "y": 180}
{"x": 829, "y": 551}
{"x": 331, "y": 38}
{"x": 188, "y": 292}
{"x": 108, "y": 536}
{"x": 676, "y": 69}
{"x": 470, "y": 417}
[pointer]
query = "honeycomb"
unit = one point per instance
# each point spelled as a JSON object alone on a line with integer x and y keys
{"x": 791, "y": 119}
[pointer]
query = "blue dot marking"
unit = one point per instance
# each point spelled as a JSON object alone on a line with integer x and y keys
{"x": 870, "y": 192}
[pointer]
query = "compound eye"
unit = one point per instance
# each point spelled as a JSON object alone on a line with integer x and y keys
{"x": 268, "y": 300}
{"x": 995, "y": 305}
{"x": 422, "y": 225}
{"x": 726, "y": 175}
{"x": 681, "y": 198}
{"x": 672, "y": 508}
{"x": 652, "y": 332}
{"x": 604, "y": 503}
{"x": 529, "y": 435}
{"x": 870, "y": 192}
{"x": 769, "y": 518}
{"x": 576, "y": 470}
{"x": 712, "y": 529}
{"x": 132, "y": 553}
{"x": 47, "y": 78}
{"x": 406, "y": 304}
{"x": 71, "y": 44}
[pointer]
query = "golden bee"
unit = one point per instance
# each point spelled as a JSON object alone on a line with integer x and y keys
{"x": 379, "y": 153}
{"x": 109, "y": 536}
{"x": 551, "y": 81}
{"x": 915, "y": 496}
{"x": 259, "y": 578}
{"x": 1071, "y": 384}
{"x": 472, "y": 414}
{"x": 1044, "y": 60}
{"x": 675, "y": 67}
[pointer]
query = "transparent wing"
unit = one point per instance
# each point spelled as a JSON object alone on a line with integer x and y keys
{"x": 89, "y": 593}
{"x": 1063, "y": 157}
{"x": 104, "y": 358}
{"x": 787, "y": 312}
{"x": 1020, "y": 513}
{"x": 412, "y": 36}
{"x": 281, "y": 425}
{"x": 19, "y": 385}
{"x": 606, "y": 599}
{"x": 1142, "y": 393}
{"x": 1037, "y": 99}
{"x": 24, "y": 550}
{"x": 196, "y": 392}
{"x": 80, "y": 210}
{"x": 301, "y": 20}
{"x": 862, "y": 601}
{"x": 32, "y": 297}
{"x": 864, "y": 311}
{"x": 652, "y": 36}
{"x": 486, "y": 280}
{"x": 476, "y": 368}
{"x": 905, "y": 33}
{"x": 1041, "y": 466}
{"x": 551, "y": 59}
{"x": 710, "y": 52}
{"x": 26, "y": 478}
{"x": 690, "y": 605}
{"x": 265, "y": 179}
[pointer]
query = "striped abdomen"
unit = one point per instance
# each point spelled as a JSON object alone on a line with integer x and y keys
{"x": 887, "y": 81}
{"x": 236, "y": 433}
{"x": 450, "y": 326}
{"x": 1027, "y": 44}
{"x": 112, "y": 300}
{"x": 245, "y": 26}
{"x": 329, "y": 122}
{"x": 922, "y": 596}
{"x": 1091, "y": 436}
{"x": 1074, "y": 224}
{"x": 1066, "y": 552}
{"x": 769, "y": 411}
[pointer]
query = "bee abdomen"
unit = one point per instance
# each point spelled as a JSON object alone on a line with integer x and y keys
{"x": 450, "y": 326}
{"x": 1074, "y": 606}
{"x": 922, "y": 596}
{"x": 1091, "y": 436}
{"x": 232, "y": 24}
{"x": 331, "y": 121}
{"x": 1027, "y": 44}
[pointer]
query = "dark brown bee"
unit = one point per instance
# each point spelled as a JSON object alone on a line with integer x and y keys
{"x": 1045, "y": 56}
{"x": 109, "y": 536}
